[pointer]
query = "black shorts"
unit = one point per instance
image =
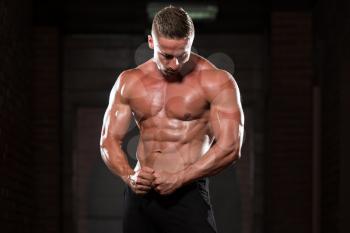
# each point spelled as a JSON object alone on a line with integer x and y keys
{"x": 188, "y": 209}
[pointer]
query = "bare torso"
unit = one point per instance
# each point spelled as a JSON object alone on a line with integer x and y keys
{"x": 172, "y": 117}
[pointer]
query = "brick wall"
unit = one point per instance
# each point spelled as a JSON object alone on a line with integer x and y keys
{"x": 16, "y": 157}
{"x": 289, "y": 160}
{"x": 46, "y": 96}
{"x": 29, "y": 123}
{"x": 332, "y": 34}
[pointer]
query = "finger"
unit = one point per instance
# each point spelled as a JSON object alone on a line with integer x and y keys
{"x": 144, "y": 182}
{"x": 147, "y": 169}
{"x": 146, "y": 176}
{"x": 156, "y": 174}
{"x": 139, "y": 192}
{"x": 142, "y": 188}
{"x": 157, "y": 182}
{"x": 154, "y": 184}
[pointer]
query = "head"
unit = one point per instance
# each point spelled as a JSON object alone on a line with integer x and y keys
{"x": 171, "y": 39}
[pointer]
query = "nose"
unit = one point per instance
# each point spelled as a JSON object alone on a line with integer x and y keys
{"x": 174, "y": 63}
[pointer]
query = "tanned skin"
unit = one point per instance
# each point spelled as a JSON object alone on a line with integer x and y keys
{"x": 188, "y": 112}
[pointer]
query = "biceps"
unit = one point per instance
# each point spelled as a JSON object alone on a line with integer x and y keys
{"x": 225, "y": 123}
{"x": 116, "y": 122}
{"x": 226, "y": 107}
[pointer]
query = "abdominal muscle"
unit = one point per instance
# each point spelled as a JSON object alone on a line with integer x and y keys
{"x": 169, "y": 150}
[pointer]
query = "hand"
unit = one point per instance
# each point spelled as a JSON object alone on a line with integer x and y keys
{"x": 166, "y": 183}
{"x": 141, "y": 181}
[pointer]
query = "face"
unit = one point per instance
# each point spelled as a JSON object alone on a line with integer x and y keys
{"x": 170, "y": 54}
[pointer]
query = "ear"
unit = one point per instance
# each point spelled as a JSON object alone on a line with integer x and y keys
{"x": 150, "y": 42}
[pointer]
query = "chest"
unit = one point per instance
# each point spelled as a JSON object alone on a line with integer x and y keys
{"x": 183, "y": 101}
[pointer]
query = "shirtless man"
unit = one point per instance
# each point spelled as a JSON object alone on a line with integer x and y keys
{"x": 191, "y": 127}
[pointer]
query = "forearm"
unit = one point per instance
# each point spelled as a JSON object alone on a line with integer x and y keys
{"x": 116, "y": 159}
{"x": 215, "y": 160}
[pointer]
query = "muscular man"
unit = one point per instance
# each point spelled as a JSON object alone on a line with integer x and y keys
{"x": 191, "y": 127}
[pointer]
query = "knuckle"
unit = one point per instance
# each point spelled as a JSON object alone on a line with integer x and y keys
{"x": 139, "y": 181}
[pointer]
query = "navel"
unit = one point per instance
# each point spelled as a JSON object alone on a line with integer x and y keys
{"x": 187, "y": 116}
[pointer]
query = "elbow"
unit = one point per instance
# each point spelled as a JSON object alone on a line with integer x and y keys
{"x": 103, "y": 144}
{"x": 107, "y": 141}
{"x": 108, "y": 144}
{"x": 104, "y": 150}
{"x": 234, "y": 154}
{"x": 229, "y": 155}
{"x": 105, "y": 147}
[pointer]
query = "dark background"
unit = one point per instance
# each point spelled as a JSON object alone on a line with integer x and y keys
{"x": 59, "y": 60}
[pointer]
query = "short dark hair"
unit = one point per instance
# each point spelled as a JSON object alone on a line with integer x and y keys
{"x": 173, "y": 22}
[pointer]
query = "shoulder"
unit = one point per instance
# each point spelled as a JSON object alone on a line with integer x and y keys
{"x": 133, "y": 76}
{"x": 127, "y": 79}
{"x": 216, "y": 81}
{"x": 123, "y": 85}
{"x": 211, "y": 76}
{"x": 216, "y": 77}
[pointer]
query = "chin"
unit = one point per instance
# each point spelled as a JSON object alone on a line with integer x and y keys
{"x": 172, "y": 75}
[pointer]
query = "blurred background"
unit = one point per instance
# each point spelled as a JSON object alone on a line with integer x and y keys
{"x": 60, "y": 59}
